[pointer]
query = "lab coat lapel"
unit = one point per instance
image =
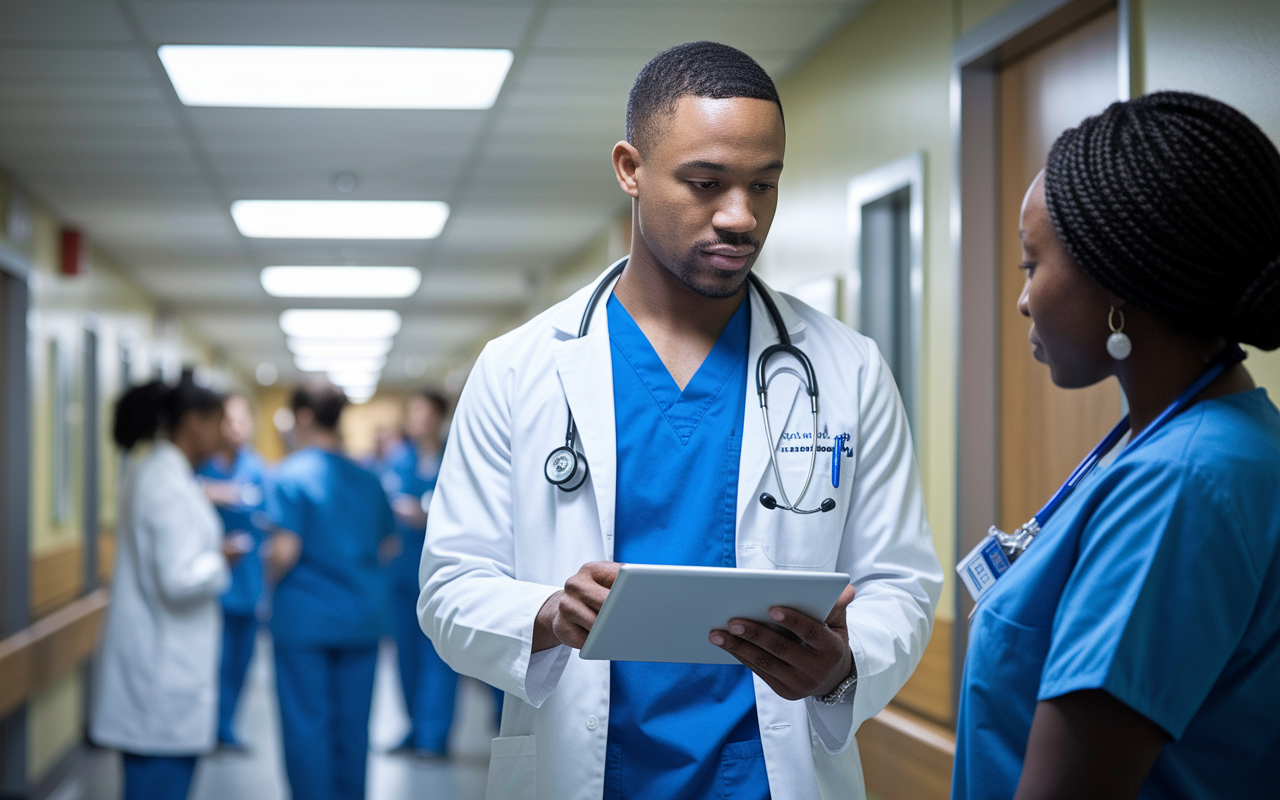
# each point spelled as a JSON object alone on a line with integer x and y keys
{"x": 585, "y": 367}
{"x": 783, "y": 398}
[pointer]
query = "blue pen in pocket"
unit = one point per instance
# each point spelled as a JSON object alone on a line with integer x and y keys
{"x": 837, "y": 450}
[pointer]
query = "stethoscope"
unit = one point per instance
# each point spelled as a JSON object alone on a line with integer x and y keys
{"x": 567, "y": 469}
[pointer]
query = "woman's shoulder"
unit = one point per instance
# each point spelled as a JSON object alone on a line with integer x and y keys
{"x": 1236, "y": 437}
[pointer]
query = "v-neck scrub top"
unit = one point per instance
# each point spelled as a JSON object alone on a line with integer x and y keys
{"x": 1157, "y": 581}
{"x": 680, "y": 730}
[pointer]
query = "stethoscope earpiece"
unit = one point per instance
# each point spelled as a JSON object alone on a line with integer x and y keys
{"x": 768, "y": 501}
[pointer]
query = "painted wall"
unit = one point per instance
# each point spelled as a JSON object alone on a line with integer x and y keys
{"x": 126, "y": 321}
{"x": 1229, "y": 50}
{"x": 880, "y": 88}
{"x": 876, "y": 91}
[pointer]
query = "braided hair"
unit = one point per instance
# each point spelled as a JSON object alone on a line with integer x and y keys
{"x": 1172, "y": 202}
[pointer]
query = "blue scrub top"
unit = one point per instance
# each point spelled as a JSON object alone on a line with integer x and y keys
{"x": 1158, "y": 582}
{"x": 336, "y": 595}
{"x": 249, "y": 473}
{"x": 408, "y": 472}
{"x": 680, "y": 730}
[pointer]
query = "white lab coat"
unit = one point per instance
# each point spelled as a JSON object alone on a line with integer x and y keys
{"x": 157, "y": 688}
{"x": 501, "y": 540}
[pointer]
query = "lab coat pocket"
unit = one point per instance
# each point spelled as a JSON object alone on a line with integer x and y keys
{"x": 513, "y": 769}
{"x": 803, "y": 541}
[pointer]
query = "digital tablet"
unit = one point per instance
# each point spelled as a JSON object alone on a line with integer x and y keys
{"x": 661, "y": 613}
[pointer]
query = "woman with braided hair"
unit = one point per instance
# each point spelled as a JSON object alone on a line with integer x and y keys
{"x": 1133, "y": 647}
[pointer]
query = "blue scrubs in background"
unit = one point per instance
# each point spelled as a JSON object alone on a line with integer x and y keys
{"x": 328, "y": 613}
{"x": 430, "y": 686}
{"x": 680, "y": 730}
{"x": 1158, "y": 581}
{"x": 240, "y": 602}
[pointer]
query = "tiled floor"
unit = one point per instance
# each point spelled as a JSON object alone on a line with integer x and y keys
{"x": 260, "y": 775}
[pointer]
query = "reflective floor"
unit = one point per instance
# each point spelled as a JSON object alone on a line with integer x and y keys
{"x": 260, "y": 774}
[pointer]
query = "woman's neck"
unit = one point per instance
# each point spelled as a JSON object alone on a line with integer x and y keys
{"x": 1153, "y": 383}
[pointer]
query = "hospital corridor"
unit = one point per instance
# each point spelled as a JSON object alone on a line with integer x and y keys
{"x": 639, "y": 399}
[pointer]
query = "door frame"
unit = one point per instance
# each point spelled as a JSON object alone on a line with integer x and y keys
{"x": 15, "y": 493}
{"x": 977, "y": 58}
{"x": 906, "y": 172}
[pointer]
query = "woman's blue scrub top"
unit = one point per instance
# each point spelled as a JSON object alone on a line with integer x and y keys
{"x": 249, "y": 473}
{"x": 1158, "y": 581}
{"x": 336, "y": 595}
{"x": 680, "y": 730}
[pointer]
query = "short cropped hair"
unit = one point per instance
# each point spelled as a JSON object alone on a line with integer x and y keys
{"x": 696, "y": 69}
{"x": 435, "y": 397}
{"x": 322, "y": 398}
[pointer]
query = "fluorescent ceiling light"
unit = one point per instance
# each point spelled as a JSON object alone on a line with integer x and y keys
{"x": 335, "y": 77}
{"x": 313, "y": 364}
{"x": 340, "y": 219}
{"x": 354, "y": 379}
{"x": 339, "y": 348}
{"x": 341, "y": 281}
{"x": 316, "y": 323}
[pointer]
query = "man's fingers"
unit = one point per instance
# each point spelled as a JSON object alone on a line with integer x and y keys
{"x": 772, "y": 642}
{"x": 837, "y": 616}
{"x": 813, "y": 633}
{"x": 603, "y": 573}
{"x": 777, "y": 674}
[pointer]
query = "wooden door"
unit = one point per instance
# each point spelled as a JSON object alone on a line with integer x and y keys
{"x": 1044, "y": 430}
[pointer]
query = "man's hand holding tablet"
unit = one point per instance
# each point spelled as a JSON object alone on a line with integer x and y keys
{"x": 810, "y": 663}
{"x": 797, "y": 655}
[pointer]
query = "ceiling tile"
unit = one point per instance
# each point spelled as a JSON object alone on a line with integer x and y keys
{"x": 351, "y": 23}
{"x": 62, "y": 21}
{"x": 752, "y": 28}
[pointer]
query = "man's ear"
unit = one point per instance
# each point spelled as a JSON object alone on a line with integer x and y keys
{"x": 626, "y": 162}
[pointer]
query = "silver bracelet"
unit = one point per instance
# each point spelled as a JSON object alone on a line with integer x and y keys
{"x": 844, "y": 691}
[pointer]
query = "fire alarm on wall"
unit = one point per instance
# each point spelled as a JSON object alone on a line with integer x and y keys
{"x": 75, "y": 252}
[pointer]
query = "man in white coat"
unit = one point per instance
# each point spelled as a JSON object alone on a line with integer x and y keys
{"x": 515, "y": 568}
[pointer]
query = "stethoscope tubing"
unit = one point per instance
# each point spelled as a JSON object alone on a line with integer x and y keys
{"x": 784, "y": 346}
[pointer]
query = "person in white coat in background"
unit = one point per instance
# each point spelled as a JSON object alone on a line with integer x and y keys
{"x": 523, "y": 544}
{"x": 156, "y": 695}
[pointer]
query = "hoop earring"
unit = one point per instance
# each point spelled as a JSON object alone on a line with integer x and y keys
{"x": 1119, "y": 345}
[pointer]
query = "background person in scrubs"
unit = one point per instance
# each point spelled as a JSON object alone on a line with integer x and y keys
{"x": 329, "y": 606}
{"x": 409, "y": 477}
{"x": 156, "y": 697}
{"x": 233, "y": 479}
{"x": 515, "y": 569}
{"x": 1134, "y": 649}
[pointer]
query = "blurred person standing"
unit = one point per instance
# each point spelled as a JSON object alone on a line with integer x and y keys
{"x": 329, "y": 603}
{"x": 156, "y": 699}
{"x": 409, "y": 478}
{"x": 233, "y": 479}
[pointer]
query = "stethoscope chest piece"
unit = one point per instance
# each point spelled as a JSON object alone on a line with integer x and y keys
{"x": 566, "y": 468}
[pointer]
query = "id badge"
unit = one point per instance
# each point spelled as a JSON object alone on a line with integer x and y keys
{"x": 984, "y": 565}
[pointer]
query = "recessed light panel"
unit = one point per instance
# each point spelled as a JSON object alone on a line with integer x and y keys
{"x": 335, "y": 77}
{"x": 332, "y": 323}
{"x": 355, "y": 380}
{"x": 312, "y": 364}
{"x": 339, "y": 348}
{"x": 341, "y": 281}
{"x": 340, "y": 219}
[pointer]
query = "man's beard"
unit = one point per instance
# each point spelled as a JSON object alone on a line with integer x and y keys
{"x": 728, "y": 282}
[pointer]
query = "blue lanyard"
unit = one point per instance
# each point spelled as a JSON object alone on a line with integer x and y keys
{"x": 1229, "y": 357}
